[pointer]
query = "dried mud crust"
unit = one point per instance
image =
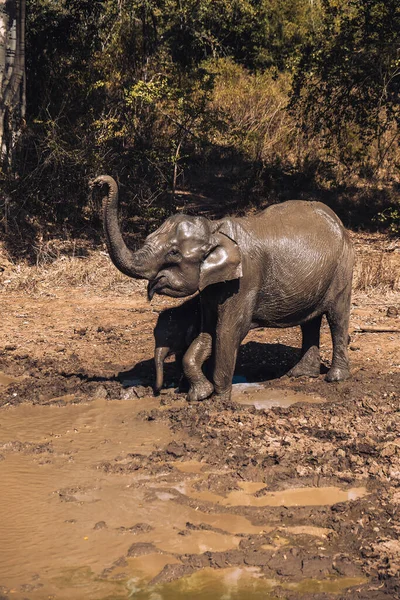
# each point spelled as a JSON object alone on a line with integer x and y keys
{"x": 77, "y": 346}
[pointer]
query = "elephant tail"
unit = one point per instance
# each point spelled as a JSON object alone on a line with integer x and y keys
{"x": 160, "y": 354}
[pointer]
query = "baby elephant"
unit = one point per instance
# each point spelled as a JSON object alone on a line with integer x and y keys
{"x": 175, "y": 330}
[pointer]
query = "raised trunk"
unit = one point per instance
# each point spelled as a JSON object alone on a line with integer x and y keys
{"x": 128, "y": 262}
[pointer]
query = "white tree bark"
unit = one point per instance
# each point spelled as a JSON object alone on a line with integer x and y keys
{"x": 12, "y": 76}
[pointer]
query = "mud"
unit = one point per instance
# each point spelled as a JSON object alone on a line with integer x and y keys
{"x": 307, "y": 496}
{"x": 255, "y": 394}
{"x": 6, "y": 379}
{"x": 291, "y": 490}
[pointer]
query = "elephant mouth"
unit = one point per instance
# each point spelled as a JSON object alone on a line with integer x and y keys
{"x": 162, "y": 286}
{"x": 155, "y": 286}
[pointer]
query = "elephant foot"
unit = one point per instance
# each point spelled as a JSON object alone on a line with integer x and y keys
{"x": 200, "y": 391}
{"x": 304, "y": 371}
{"x": 337, "y": 374}
{"x": 222, "y": 395}
{"x": 308, "y": 366}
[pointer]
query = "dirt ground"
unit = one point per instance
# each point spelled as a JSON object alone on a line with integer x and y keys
{"x": 108, "y": 492}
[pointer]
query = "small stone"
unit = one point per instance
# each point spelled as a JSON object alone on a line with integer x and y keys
{"x": 82, "y": 331}
{"x": 175, "y": 449}
{"x": 100, "y": 525}
{"x": 392, "y": 311}
{"x": 100, "y": 392}
{"x": 128, "y": 394}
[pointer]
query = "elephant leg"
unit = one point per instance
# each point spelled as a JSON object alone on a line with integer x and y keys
{"x": 160, "y": 354}
{"x": 198, "y": 352}
{"x": 338, "y": 318}
{"x": 229, "y": 336}
{"x": 310, "y": 362}
{"x": 182, "y": 381}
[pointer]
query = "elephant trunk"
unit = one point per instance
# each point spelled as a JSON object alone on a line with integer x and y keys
{"x": 128, "y": 262}
{"x": 160, "y": 355}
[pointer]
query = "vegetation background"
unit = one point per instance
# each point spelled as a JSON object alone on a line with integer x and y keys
{"x": 220, "y": 106}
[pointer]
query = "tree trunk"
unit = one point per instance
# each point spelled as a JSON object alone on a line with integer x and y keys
{"x": 12, "y": 77}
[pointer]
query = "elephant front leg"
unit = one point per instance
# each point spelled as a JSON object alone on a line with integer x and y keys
{"x": 199, "y": 351}
{"x": 226, "y": 349}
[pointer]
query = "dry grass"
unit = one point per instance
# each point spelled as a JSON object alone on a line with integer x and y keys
{"x": 94, "y": 272}
{"x": 377, "y": 272}
{"x": 377, "y": 264}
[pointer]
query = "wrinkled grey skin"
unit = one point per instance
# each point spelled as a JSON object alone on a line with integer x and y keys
{"x": 175, "y": 330}
{"x": 287, "y": 265}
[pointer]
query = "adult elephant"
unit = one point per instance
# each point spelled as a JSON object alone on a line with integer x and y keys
{"x": 287, "y": 265}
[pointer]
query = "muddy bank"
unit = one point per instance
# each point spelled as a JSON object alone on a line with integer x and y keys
{"x": 291, "y": 490}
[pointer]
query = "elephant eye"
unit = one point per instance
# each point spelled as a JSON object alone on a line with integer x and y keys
{"x": 173, "y": 254}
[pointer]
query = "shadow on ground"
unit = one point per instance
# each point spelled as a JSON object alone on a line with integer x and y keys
{"x": 256, "y": 362}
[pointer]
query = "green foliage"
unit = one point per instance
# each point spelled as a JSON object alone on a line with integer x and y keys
{"x": 164, "y": 94}
{"x": 390, "y": 218}
{"x": 347, "y": 84}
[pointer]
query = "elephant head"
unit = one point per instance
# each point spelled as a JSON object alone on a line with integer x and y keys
{"x": 184, "y": 255}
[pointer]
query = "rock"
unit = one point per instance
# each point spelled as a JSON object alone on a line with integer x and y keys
{"x": 100, "y": 525}
{"x": 128, "y": 394}
{"x": 100, "y": 392}
{"x": 392, "y": 311}
{"x": 135, "y": 529}
{"x": 141, "y": 549}
{"x": 390, "y": 449}
{"x": 175, "y": 449}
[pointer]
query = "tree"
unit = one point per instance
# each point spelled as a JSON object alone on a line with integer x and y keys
{"x": 12, "y": 76}
{"x": 348, "y": 81}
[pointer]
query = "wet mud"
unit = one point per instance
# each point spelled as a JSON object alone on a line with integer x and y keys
{"x": 291, "y": 490}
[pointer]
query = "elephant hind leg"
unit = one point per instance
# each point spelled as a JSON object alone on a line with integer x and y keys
{"x": 338, "y": 319}
{"x": 309, "y": 364}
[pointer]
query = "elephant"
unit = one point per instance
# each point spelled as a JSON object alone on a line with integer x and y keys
{"x": 175, "y": 330}
{"x": 284, "y": 266}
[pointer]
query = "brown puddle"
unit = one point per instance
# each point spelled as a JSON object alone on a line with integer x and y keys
{"x": 63, "y": 521}
{"x": 189, "y": 466}
{"x": 79, "y": 428}
{"x": 68, "y": 520}
{"x": 254, "y": 394}
{"x": 307, "y": 496}
{"x": 237, "y": 583}
{"x": 54, "y": 499}
{"x": 320, "y": 532}
{"x": 6, "y": 379}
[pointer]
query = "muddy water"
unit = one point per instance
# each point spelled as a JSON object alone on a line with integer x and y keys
{"x": 254, "y": 394}
{"x": 307, "y": 496}
{"x": 6, "y": 379}
{"x": 63, "y": 520}
{"x": 237, "y": 583}
{"x": 52, "y": 501}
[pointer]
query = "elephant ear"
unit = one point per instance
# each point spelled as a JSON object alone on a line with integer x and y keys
{"x": 222, "y": 263}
